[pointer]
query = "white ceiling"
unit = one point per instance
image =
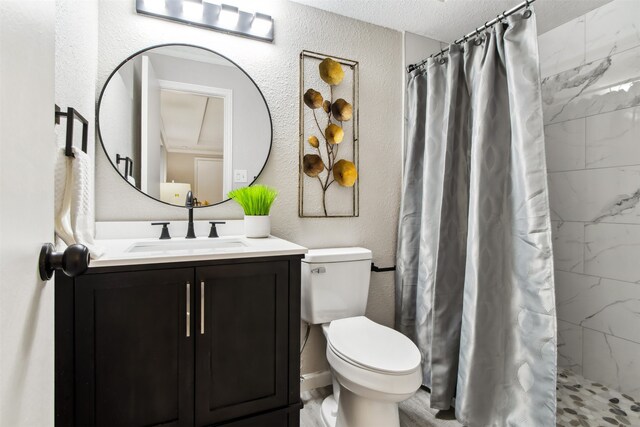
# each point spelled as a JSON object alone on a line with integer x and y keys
{"x": 192, "y": 123}
{"x": 451, "y": 19}
{"x": 192, "y": 54}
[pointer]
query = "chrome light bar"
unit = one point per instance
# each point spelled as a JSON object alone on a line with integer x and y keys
{"x": 213, "y": 16}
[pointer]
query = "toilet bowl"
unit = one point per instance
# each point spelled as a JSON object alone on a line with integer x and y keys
{"x": 374, "y": 367}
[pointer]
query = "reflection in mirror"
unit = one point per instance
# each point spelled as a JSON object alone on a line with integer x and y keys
{"x": 178, "y": 118}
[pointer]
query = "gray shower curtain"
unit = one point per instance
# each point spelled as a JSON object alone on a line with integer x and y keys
{"x": 474, "y": 280}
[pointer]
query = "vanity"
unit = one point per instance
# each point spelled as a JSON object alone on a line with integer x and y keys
{"x": 181, "y": 333}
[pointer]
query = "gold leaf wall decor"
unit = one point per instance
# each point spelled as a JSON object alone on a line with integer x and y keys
{"x": 328, "y": 183}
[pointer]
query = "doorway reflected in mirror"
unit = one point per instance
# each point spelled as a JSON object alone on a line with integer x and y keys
{"x": 193, "y": 144}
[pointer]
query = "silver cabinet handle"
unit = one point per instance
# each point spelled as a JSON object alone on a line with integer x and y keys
{"x": 202, "y": 307}
{"x": 188, "y": 309}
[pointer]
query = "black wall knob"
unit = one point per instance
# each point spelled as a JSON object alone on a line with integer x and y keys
{"x": 73, "y": 261}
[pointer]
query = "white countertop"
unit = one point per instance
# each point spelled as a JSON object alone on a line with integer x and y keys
{"x": 116, "y": 250}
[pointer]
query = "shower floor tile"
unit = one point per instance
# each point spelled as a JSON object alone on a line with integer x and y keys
{"x": 590, "y": 404}
{"x": 580, "y": 403}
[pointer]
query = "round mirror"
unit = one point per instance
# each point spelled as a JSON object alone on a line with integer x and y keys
{"x": 178, "y": 118}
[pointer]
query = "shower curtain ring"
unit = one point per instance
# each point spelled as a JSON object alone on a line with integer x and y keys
{"x": 527, "y": 12}
{"x": 463, "y": 42}
{"x": 478, "y": 40}
{"x": 442, "y": 60}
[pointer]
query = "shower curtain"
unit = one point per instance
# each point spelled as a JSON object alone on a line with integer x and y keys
{"x": 474, "y": 281}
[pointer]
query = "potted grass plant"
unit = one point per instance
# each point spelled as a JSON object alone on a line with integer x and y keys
{"x": 256, "y": 202}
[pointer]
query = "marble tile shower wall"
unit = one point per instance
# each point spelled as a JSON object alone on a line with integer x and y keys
{"x": 591, "y": 100}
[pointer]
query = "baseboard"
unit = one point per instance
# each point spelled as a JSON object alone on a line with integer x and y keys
{"x": 314, "y": 380}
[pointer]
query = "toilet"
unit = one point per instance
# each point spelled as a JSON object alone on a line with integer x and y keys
{"x": 374, "y": 367}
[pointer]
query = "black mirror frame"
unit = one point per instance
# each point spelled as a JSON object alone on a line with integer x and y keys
{"x": 106, "y": 83}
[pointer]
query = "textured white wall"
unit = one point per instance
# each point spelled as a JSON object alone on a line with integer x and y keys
{"x": 417, "y": 47}
{"x": 76, "y": 42}
{"x": 274, "y": 67}
{"x": 76, "y": 64}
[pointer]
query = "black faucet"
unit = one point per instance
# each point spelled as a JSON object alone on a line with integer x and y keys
{"x": 189, "y": 205}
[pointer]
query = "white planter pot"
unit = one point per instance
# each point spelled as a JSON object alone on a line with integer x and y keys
{"x": 257, "y": 226}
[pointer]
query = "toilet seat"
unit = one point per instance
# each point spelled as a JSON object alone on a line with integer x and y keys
{"x": 373, "y": 347}
{"x": 371, "y": 383}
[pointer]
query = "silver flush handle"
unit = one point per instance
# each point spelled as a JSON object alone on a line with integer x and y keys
{"x": 318, "y": 270}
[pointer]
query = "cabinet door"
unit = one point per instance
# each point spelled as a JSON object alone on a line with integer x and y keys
{"x": 134, "y": 348}
{"x": 242, "y": 340}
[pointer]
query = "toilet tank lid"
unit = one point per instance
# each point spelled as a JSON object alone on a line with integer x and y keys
{"x": 337, "y": 255}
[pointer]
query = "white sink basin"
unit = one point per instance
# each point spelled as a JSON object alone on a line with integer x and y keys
{"x": 191, "y": 247}
{"x": 124, "y": 248}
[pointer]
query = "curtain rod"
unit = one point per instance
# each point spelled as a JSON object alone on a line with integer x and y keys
{"x": 476, "y": 32}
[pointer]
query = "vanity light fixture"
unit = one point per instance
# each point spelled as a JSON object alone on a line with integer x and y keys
{"x": 214, "y": 16}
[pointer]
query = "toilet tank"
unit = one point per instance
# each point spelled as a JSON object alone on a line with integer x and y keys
{"x": 335, "y": 284}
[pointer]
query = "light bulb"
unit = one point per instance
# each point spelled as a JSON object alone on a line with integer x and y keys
{"x": 229, "y": 15}
{"x": 156, "y": 6}
{"x": 261, "y": 24}
{"x": 192, "y": 10}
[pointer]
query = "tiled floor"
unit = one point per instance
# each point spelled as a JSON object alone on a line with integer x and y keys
{"x": 414, "y": 412}
{"x": 581, "y": 403}
{"x": 586, "y": 403}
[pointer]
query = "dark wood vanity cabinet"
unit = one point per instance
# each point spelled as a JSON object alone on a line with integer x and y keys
{"x": 241, "y": 360}
{"x": 186, "y": 344}
{"x": 133, "y": 359}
